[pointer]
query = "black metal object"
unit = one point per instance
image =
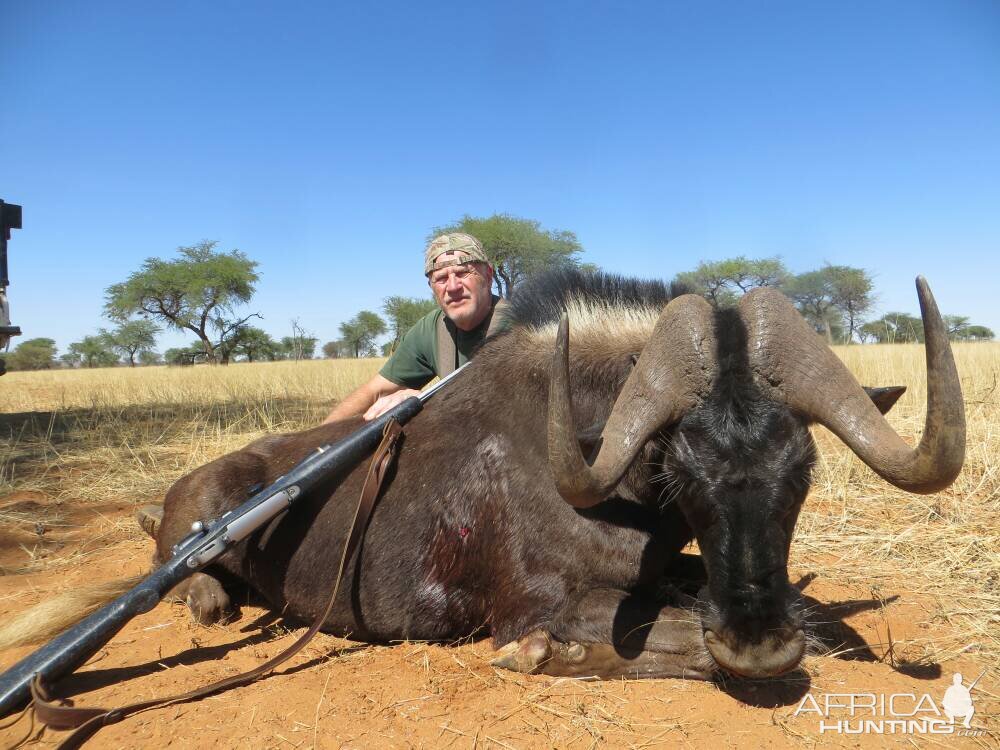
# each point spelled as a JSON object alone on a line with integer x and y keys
{"x": 10, "y": 218}
{"x": 207, "y": 541}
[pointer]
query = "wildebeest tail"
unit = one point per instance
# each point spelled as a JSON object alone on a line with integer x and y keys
{"x": 50, "y": 617}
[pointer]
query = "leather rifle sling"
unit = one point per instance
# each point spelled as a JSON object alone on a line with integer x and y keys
{"x": 87, "y": 721}
{"x": 447, "y": 351}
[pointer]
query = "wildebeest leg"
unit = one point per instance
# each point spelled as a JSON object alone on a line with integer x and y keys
{"x": 205, "y": 597}
{"x": 204, "y": 594}
{"x": 609, "y": 634}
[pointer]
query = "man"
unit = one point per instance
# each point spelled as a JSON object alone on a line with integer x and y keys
{"x": 460, "y": 277}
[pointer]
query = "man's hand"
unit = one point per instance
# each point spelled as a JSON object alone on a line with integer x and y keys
{"x": 382, "y": 405}
{"x": 365, "y": 397}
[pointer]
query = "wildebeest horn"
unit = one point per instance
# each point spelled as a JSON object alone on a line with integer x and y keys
{"x": 671, "y": 375}
{"x": 791, "y": 361}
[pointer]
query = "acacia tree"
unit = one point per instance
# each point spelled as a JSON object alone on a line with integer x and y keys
{"x": 957, "y": 325}
{"x": 977, "y": 333}
{"x": 132, "y": 338}
{"x": 721, "y": 282}
{"x": 403, "y": 313}
{"x": 255, "y": 344}
{"x": 906, "y": 328}
{"x": 185, "y": 355}
{"x": 873, "y": 330}
{"x": 149, "y": 357}
{"x": 360, "y": 332}
{"x": 851, "y": 293}
{"x": 33, "y": 354}
{"x": 198, "y": 292}
{"x": 517, "y": 248}
{"x": 93, "y": 351}
{"x": 813, "y": 293}
{"x": 300, "y": 345}
{"x": 337, "y": 349}
{"x": 834, "y": 299}
{"x": 894, "y": 328}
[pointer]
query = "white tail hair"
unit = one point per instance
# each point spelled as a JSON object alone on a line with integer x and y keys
{"x": 55, "y": 614}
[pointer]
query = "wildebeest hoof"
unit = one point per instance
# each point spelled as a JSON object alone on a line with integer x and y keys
{"x": 149, "y": 518}
{"x": 525, "y": 655}
{"x": 573, "y": 653}
{"x": 208, "y": 601}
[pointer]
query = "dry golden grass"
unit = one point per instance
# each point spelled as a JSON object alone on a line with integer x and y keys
{"x": 946, "y": 546}
{"x": 93, "y": 436}
{"x": 260, "y": 382}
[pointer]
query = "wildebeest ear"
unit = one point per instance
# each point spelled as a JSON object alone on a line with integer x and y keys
{"x": 885, "y": 398}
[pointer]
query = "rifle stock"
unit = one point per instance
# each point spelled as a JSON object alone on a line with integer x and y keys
{"x": 72, "y": 648}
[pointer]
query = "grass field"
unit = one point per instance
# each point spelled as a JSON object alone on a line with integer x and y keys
{"x": 123, "y": 430}
{"x": 94, "y": 436}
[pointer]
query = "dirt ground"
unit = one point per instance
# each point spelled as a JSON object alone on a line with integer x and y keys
{"x": 341, "y": 694}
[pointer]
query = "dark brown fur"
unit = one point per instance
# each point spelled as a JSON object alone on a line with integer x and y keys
{"x": 469, "y": 533}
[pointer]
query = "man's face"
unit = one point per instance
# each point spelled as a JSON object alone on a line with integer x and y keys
{"x": 462, "y": 291}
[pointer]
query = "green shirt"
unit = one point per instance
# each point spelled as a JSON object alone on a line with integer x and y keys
{"x": 414, "y": 363}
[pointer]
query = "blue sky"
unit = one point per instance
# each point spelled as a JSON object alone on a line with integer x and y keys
{"x": 326, "y": 139}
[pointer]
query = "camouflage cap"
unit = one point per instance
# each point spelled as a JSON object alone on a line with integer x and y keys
{"x": 467, "y": 247}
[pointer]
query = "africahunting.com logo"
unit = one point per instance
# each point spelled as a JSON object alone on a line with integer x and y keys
{"x": 895, "y": 713}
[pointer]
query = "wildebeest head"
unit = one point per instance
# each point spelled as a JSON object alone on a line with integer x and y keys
{"x": 731, "y": 394}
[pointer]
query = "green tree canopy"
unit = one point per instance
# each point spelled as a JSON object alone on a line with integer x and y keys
{"x": 977, "y": 333}
{"x": 185, "y": 355}
{"x": 722, "y": 282}
{"x": 149, "y": 357}
{"x": 298, "y": 347}
{"x": 254, "y": 344}
{"x": 957, "y": 325}
{"x": 517, "y": 248}
{"x": 902, "y": 328}
{"x": 906, "y": 328}
{"x": 360, "y": 332}
{"x": 131, "y": 338}
{"x": 403, "y": 313}
{"x": 894, "y": 328}
{"x": 851, "y": 293}
{"x": 94, "y": 351}
{"x": 834, "y": 298}
{"x": 33, "y": 354}
{"x": 198, "y": 292}
{"x": 874, "y": 331}
{"x": 337, "y": 349}
{"x": 813, "y": 294}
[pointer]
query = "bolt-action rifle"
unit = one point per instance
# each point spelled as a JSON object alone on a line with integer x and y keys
{"x": 206, "y": 542}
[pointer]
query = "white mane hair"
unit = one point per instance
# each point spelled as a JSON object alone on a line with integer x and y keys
{"x": 600, "y": 326}
{"x": 609, "y": 316}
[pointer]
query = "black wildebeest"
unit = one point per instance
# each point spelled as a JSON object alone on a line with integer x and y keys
{"x": 696, "y": 421}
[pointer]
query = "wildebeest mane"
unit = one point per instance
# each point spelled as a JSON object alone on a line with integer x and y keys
{"x": 541, "y": 300}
